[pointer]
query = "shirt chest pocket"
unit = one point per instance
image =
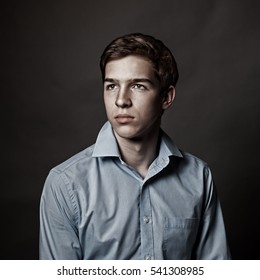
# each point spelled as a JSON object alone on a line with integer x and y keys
{"x": 179, "y": 237}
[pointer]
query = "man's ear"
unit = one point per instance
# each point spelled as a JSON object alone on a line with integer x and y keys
{"x": 168, "y": 98}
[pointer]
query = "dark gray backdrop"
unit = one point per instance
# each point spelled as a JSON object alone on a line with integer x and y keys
{"x": 52, "y": 99}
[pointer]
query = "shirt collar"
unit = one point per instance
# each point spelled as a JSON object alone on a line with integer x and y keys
{"x": 167, "y": 147}
{"x": 106, "y": 144}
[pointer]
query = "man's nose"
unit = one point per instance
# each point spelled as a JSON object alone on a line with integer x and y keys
{"x": 123, "y": 99}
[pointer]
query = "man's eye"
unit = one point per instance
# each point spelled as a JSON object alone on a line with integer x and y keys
{"x": 139, "y": 86}
{"x": 110, "y": 87}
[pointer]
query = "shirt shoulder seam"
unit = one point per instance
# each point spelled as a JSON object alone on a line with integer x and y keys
{"x": 61, "y": 168}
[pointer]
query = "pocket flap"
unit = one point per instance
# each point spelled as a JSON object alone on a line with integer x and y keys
{"x": 181, "y": 223}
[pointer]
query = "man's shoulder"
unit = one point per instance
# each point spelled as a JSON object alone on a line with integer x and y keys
{"x": 76, "y": 161}
{"x": 191, "y": 167}
{"x": 193, "y": 160}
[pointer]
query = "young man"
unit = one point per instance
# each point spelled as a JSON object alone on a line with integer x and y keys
{"x": 134, "y": 194}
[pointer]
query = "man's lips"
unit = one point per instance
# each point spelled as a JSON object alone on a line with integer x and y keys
{"x": 123, "y": 118}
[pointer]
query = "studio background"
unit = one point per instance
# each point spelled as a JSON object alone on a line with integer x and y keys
{"x": 52, "y": 107}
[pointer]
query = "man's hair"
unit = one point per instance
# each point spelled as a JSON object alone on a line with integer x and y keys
{"x": 146, "y": 46}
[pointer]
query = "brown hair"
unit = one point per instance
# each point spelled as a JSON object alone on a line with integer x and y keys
{"x": 146, "y": 46}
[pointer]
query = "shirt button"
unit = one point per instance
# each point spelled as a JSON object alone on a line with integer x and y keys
{"x": 148, "y": 257}
{"x": 146, "y": 219}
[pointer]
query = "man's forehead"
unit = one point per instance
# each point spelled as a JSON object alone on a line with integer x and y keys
{"x": 139, "y": 56}
{"x": 135, "y": 67}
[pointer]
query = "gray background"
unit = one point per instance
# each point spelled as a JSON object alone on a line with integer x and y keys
{"x": 51, "y": 99}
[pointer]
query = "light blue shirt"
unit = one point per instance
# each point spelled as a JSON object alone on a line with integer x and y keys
{"x": 95, "y": 206}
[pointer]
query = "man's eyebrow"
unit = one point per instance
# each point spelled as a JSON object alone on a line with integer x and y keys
{"x": 137, "y": 80}
{"x": 110, "y": 80}
{"x": 142, "y": 80}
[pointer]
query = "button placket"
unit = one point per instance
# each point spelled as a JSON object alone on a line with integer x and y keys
{"x": 147, "y": 239}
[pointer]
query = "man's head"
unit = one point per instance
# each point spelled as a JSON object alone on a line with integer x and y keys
{"x": 147, "y": 47}
{"x": 139, "y": 75}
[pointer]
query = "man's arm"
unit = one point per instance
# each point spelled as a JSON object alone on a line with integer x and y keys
{"x": 58, "y": 231}
{"x": 211, "y": 241}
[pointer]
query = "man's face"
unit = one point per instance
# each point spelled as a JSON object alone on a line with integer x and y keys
{"x": 132, "y": 97}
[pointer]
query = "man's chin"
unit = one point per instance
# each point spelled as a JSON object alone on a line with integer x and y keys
{"x": 127, "y": 133}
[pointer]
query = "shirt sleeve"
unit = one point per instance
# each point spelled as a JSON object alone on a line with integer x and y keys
{"x": 58, "y": 220}
{"x": 211, "y": 241}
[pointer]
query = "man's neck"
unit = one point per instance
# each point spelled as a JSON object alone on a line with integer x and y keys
{"x": 139, "y": 153}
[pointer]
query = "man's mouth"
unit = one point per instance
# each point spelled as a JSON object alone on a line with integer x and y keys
{"x": 123, "y": 118}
